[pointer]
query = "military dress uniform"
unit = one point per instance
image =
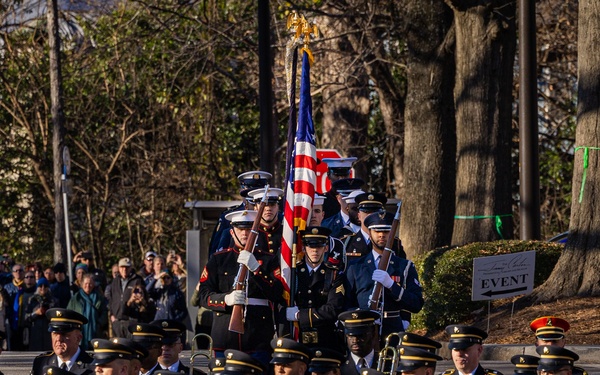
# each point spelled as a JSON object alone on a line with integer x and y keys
{"x": 553, "y": 358}
{"x": 263, "y": 289}
{"x": 339, "y": 167}
{"x": 64, "y": 321}
{"x": 359, "y": 322}
{"x": 404, "y": 297}
{"x": 320, "y": 298}
{"x": 461, "y": 338}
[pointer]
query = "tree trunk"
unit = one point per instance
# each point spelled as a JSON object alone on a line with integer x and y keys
{"x": 485, "y": 45}
{"x": 58, "y": 130}
{"x": 576, "y": 272}
{"x": 346, "y": 103}
{"x": 430, "y": 140}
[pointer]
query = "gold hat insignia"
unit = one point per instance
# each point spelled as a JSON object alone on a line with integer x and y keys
{"x": 549, "y": 322}
{"x": 546, "y": 350}
{"x": 371, "y": 197}
{"x": 256, "y": 176}
{"x": 218, "y": 362}
{"x": 58, "y": 314}
{"x": 405, "y": 338}
{"x": 365, "y": 372}
{"x": 165, "y": 324}
{"x": 229, "y": 355}
{"x": 521, "y": 360}
{"x": 456, "y": 330}
{"x": 315, "y": 231}
{"x": 116, "y": 341}
{"x": 318, "y": 353}
{"x": 49, "y": 372}
{"x": 401, "y": 351}
{"x": 279, "y": 343}
{"x": 95, "y": 344}
{"x": 354, "y": 316}
{"x": 138, "y": 328}
{"x": 244, "y": 213}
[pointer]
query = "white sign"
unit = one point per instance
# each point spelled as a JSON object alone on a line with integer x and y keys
{"x": 502, "y": 276}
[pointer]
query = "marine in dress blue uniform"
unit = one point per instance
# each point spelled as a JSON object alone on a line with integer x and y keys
{"x": 248, "y": 181}
{"x": 320, "y": 293}
{"x": 65, "y": 329}
{"x": 270, "y": 229}
{"x": 337, "y": 169}
{"x": 402, "y": 293}
{"x": 263, "y": 290}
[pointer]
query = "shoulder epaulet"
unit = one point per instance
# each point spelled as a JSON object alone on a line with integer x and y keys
{"x": 223, "y": 250}
{"x": 579, "y": 371}
{"x": 46, "y": 354}
{"x": 348, "y": 235}
{"x": 490, "y": 371}
{"x": 450, "y": 371}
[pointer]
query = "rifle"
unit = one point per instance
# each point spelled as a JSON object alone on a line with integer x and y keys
{"x": 236, "y": 323}
{"x": 385, "y": 260}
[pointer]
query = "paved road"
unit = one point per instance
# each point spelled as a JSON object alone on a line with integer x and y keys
{"x": 19, "y": 363}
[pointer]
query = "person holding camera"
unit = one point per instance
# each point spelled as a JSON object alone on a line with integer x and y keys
{"x": 90, "y": 302}
{"x": 35, "y": 316}
{"x": 126, "y": 299}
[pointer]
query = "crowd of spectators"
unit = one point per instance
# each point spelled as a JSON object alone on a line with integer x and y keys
{"x": 156, "y": 291}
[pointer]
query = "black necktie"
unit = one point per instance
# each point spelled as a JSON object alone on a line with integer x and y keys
{"x": 363, "y": 363}
{"x": 63, "y": 366}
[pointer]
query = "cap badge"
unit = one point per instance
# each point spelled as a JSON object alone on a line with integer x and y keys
{"x": 165, "y": 324}
{"x": 318, "y": 353}
{"x": 549, "y": 322}
{"x": 315, "y": 231}
{"x": 218, "y": 362}
{"x": 456, "y": 330}
{"x": 58, "y": 314}
{"x": 354, "y": 316}
{"x": 371, "y": 197}
{"x": 116, "y": 341}
{"x": 49, "y": 372}
{"x": 244, "y": 213}
{"x": 405, "y": 338}
{"x": 365, "y": 372}
{"x": 546, "y": 351}
{"x": 95, "y": 344}
{"x": 521, "y": 360}
{"x": 279, "y": 343}
{"x": 229, "y": 355}
{"x": 138, "y": 328}
{"x": 401, "y": 351}
{"x": 256, "y": 176}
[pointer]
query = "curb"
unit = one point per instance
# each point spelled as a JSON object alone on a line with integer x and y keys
{"x": 503, "y": 352}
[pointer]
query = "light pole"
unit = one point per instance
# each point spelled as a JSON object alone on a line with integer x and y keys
{"x": 66, "y": 189}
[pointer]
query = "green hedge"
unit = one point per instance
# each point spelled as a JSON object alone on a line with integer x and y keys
{"x": 446, "y": 276}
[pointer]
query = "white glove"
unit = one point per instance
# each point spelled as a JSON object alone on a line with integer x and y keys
{"x": 383, "y": 277}
{"x": 236, "y": 297}
{"x": 290, "y": 313}
{"x": 249, "y": 260}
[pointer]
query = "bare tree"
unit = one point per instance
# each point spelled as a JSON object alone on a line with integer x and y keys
{"x": 430, "y": 140}
{"x": 485, "y": 47}
{"x": 576, "y": 273}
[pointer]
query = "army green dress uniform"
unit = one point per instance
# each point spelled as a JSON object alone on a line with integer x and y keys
{"x": 64, "y": 321}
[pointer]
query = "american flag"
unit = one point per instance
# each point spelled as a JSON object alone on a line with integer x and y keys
{"x": 301, "y": 176}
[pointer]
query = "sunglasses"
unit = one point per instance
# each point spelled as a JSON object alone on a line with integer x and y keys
{"x": 18, "y": 270}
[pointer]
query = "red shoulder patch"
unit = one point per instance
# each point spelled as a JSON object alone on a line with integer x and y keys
{"x": 204, "y": 275}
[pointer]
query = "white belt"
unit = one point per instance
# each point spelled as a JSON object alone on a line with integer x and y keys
{"x": 258, "y": 302}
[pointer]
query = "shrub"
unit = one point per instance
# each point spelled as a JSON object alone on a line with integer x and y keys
{"x": 446, "y": 275}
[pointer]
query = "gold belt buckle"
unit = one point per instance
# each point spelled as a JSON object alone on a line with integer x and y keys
{"x": 311, "y": 337}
